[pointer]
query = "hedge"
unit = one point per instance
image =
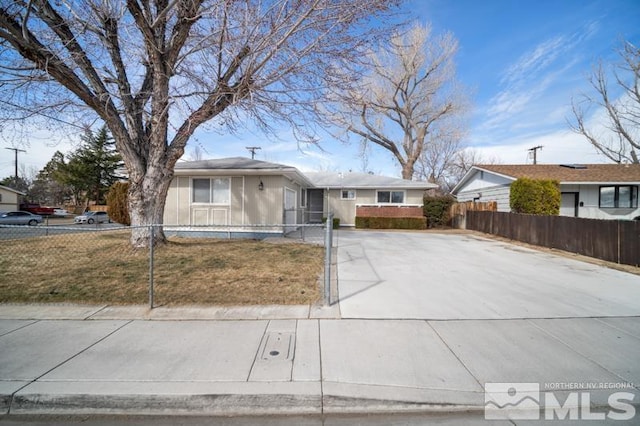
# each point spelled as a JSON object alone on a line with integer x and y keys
{"x": 336, "y": 222}
{"x": 391, "y": 222}
{"x": 535, "y": 196}
{"x": 117, "y": 200}
{"x": 436, "y": 210}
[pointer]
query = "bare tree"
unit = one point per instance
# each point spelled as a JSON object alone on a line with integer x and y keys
{"x": 197, "y": 153}
{"x": 462, "y": 163}
{"x": 439, "y": 155}
{"x": 408, "y": 94}
{"x": 156, "y": 70}
{"x": 446, "y": 162}
{"x": 620, "y": 139}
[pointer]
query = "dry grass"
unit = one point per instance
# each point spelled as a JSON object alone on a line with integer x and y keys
{"x": 102, "y": 268}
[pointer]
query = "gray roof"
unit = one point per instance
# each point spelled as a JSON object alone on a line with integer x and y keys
{"x": 316, "y": 179}
{"x": 363, "y": 180}
{"x": 239, "y": 166}
{"x": 12, "y": 190}
{"x": 233, "y": 163}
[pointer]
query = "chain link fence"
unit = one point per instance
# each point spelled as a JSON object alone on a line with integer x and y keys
{"x": 225, "y": 265}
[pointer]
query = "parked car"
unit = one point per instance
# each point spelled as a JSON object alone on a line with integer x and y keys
{"x": 60, "y": 212}
{"x": 19, "y": 218}
{"x": 92, "y": 217}
{"x": 37, "y": 209}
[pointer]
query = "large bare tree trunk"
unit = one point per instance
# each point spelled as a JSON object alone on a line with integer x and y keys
{"x": 146, "y": 206}
{"x": 408, "y": 169}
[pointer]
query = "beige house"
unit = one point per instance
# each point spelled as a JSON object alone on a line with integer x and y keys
{"x": 237, "y": 192}
{"x": 9, "y": 198}
{"x": 342, "y": 193}
{"x": 240, "y": 192}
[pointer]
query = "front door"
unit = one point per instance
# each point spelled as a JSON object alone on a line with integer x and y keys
{"x": 289, "y": 209}
{"x": 315, "y": 199}
{"x": 569, "y": 204}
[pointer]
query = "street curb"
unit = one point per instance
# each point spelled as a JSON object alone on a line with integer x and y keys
{"x": 231, "y": 399}
{"x": 348, "y": 398}
{"x": 208, "y": 404}
{"x": 218, "y": 405}
{"x": 166, "y": 398}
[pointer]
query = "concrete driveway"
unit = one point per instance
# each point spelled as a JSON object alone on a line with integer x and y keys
{"x": 398, "y": 275}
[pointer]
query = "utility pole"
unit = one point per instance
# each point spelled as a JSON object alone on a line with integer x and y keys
{"x": 16, "y": 150}
{"x": 534, "y": 150}
{"x": 253, "y": 150}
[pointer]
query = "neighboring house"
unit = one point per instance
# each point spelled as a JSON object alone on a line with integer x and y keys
{"x": 598, "y": 191}
{"x": 241, "y": 192}
{"x": 9, "y": 198}
{"x": 345, "y": 193}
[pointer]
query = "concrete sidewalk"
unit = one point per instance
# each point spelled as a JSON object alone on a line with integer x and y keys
{"x": 92, "y": 364}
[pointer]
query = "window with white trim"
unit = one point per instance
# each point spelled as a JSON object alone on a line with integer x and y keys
{"x": 619, "y": 196}
{"x": 211, "y": 191}
{"x": 348, "y": 194}
{"x": 390, "y": 197}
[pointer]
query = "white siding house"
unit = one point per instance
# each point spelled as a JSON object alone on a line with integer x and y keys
{"x": 598, "y": 191}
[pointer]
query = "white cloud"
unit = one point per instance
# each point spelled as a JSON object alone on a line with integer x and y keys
{"x": 559, "y": 147}
{"x": 532, "y": 62}
{"x": 538, "y": 76}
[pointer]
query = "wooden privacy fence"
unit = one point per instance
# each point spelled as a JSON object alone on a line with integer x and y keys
{"x": 458, "y": 211}
{"x": 612, "y": 240}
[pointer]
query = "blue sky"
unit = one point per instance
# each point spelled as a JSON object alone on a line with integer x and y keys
{"x": 522, "y": 60}
{"x": 526, "y": 60}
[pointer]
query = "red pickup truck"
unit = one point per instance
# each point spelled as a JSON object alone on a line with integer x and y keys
{"x": 37, "y": 209}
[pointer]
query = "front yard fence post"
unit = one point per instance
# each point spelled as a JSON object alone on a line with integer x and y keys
{"x": 327, "y": 259}
{"x": 151, "y": 244}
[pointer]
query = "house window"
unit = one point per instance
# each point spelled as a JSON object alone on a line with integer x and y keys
{"x": 211, "y": 191}
{"x": 348, "y": 194}
{"x": 619, "y": 196}
{"x": 390, "y": 197}
{"x": 303, "y": 197}
{"x": 201, "y": 190}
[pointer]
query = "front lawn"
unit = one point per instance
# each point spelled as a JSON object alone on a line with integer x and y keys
{"x": 102, "y": 268}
